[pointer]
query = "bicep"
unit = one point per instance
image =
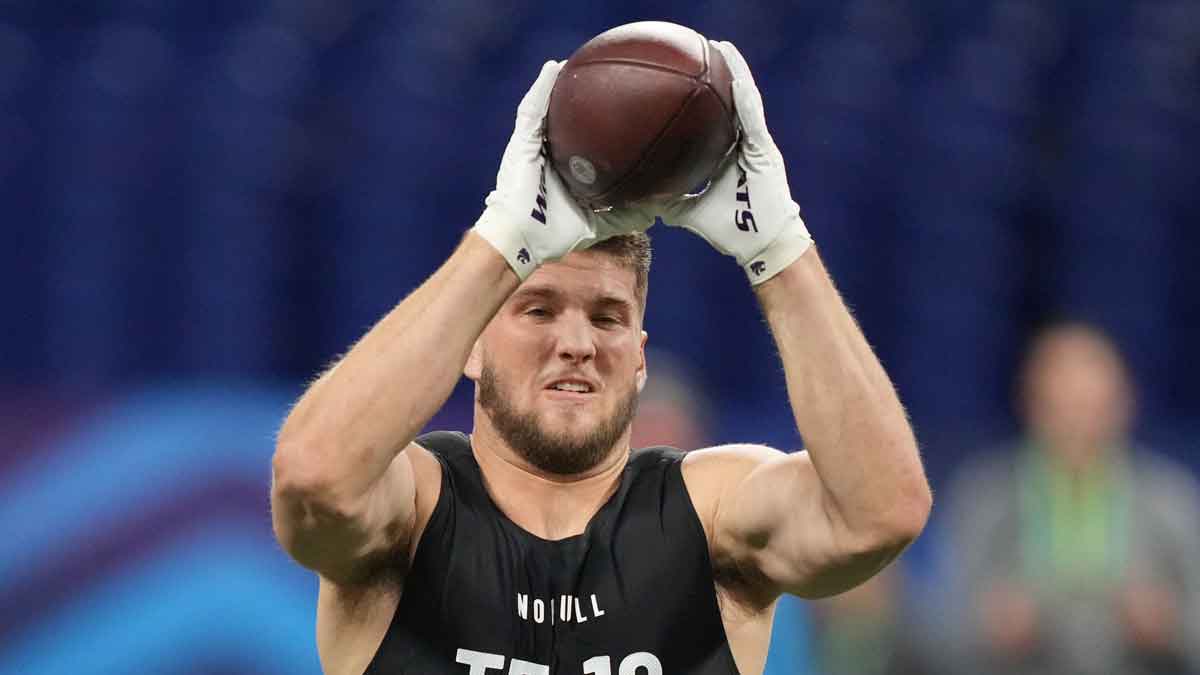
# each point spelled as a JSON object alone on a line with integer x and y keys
{"x": 776, "y": 519}
{"x": 344, "y": 539}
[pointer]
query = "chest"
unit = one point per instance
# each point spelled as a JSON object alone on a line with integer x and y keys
{"x": 629, "y": 598}
{"x": 628, "y": 584}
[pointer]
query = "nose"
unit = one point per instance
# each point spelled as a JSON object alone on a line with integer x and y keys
{"x": 573, "y": 338}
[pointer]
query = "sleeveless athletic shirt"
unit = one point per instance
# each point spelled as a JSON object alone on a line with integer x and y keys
{"x": 632, "y": 595}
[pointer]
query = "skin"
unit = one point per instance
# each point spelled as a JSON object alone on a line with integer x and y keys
{"x": 351, "y": 489}
{"x": 575, "y": 319}
{"x": 1077, "y": 396}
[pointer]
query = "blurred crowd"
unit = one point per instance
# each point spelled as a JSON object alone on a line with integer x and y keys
{"x": 205, "y": 203}
{"x": 1071, "y": 549}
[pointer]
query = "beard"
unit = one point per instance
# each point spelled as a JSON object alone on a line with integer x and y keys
{"x": 555, "y": 453}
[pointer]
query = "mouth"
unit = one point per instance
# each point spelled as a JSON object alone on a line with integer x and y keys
{"x": 570, "y": 389}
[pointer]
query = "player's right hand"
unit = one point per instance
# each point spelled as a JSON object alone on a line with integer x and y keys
{"x": 747, "y": 212}
{"x": 530, "y": 217}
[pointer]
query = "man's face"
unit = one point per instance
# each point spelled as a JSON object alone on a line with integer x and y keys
{"x": 1077, "y": 394}
{"x": 560, "y": 366}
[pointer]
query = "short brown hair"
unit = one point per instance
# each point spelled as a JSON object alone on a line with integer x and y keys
{"x": 632, "y": 251}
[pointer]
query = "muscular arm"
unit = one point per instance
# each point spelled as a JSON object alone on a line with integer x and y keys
{"x": 819, "y": 522}
{"x": 343, "y": 489}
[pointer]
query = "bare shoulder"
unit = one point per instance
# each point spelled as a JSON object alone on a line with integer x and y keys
{"x": 723, "y": 464}
{"x": 712, "y": 477}
{"x": 427, "y": 475}
{"x": 352, "y": 618}
{"x": 710, "y": 473}
{"x": 730, "y": 456}
{"x": 390, "y": 567}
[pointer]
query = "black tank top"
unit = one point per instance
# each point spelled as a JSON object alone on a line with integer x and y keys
{"x": 632, "y": 595}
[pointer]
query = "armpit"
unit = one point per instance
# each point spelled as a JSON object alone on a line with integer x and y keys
{"x": 742, "y": 590}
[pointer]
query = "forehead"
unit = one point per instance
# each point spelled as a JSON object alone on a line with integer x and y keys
{"x": 584, "y": 276}
{"x": 1074, "y": 356}
{"x": 1075, "y": 346}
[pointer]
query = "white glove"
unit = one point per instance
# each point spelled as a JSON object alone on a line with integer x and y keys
{"x": 747, "y": 211}
{"x": 530, "y": 217}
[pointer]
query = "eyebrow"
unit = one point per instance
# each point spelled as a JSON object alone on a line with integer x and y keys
{"x": 536, "y": 292}
{"x": 621, "y": 304}
{"x": 550, "y": 293}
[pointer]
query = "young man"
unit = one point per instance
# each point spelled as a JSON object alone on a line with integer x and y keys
{"x": 540, "y": 543}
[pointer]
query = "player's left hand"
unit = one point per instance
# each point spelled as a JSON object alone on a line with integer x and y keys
{"x": 747, "y": 211}
{"x": 530, "y": 217}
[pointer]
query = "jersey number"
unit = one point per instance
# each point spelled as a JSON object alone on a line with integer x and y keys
{"x": 637, "y": 663}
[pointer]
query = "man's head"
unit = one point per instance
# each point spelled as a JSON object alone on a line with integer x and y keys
{"x": 632, "y": 252}
{"x": 559, "y": 368}
{"x": 1078, "y": 400}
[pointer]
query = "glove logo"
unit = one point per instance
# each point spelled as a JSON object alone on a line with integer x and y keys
{"x": 523, "y": 256}
{"x": 743, "y": 217}
{"x": 539, "y": 206}
{"x": 758, "y": 267}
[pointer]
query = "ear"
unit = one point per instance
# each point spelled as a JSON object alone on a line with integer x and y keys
{"x": 641, "y": 371}
{"x": 474, "y": 365}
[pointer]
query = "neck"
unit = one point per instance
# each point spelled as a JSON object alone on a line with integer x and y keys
{"x": 1079, "y": 456}
{"x": 547, "y": 505}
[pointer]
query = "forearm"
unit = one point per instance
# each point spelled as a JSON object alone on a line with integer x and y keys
{"x": 846, "y": 408}
{"x": 352, "y": 422}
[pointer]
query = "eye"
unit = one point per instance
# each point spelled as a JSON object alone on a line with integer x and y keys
{"x": 606, "y": 320}
{"x": 537, "y": 312}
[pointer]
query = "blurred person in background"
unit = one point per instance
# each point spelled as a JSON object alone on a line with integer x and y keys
{"x": 1078, "y": 552}
{"x": 672, "y": 408}
{"x": 870, "y": 630}
{"x": 541, "y": 540}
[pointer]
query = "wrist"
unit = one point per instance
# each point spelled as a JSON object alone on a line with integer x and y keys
{"x": 791, "y": 243}
{"x": 497, "y": 228}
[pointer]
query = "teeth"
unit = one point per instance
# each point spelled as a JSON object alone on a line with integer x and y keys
{"x": 572, "y": 386}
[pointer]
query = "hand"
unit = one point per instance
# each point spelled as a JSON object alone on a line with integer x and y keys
{"x": 747, "y": 211}
{"x": 1009, "y": 616}
{"x": 1149, "y": 614}
{"x": 530, "y": 217}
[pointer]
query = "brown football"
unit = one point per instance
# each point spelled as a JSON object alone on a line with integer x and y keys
{"x": 641, "y": 111}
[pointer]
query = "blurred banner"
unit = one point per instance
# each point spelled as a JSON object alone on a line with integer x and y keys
{"x": 138, "y": 540}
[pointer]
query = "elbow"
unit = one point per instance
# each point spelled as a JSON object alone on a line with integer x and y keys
{"x": 902, "y": 518}
{"x": 302, "y": 472}
{"x": 903, "y": 521}
{"x": 893, "y": 528}
{"x": 306, "y": 510}
{"x": 912, "y": 516}
{"x": 304, "y": 493}
{"x": 293, "y": 472}
{"x": 917, "y": 498}
{"x": 862, "y": 552}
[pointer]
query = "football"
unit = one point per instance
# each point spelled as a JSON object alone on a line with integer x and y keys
{"x": 641, "y": 111}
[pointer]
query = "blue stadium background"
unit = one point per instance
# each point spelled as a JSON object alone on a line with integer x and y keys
{"x": 204, "y": 203}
